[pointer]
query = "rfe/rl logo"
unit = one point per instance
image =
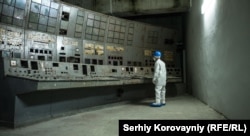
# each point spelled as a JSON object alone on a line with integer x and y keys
{"x": 225, "y": 127}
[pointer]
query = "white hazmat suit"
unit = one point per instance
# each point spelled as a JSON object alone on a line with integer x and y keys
{"x": 160, "y": 79}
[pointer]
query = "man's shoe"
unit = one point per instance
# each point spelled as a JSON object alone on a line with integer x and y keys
{"x": 163, "y": 104}
{"x": 155, "y": 105}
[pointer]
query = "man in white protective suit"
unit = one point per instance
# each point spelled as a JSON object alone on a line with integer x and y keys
{"x": 159, "y": 79}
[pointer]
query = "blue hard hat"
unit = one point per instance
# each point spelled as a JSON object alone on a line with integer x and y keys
{"x": 157, "y": 54}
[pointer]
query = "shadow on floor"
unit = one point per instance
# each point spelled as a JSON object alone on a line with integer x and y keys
{"x": 141, "y": 102}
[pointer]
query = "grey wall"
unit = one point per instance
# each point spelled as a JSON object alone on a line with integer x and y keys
{"x": 218, "y": 56}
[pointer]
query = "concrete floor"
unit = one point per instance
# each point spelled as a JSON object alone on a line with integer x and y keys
{"x": 103, "y": 120}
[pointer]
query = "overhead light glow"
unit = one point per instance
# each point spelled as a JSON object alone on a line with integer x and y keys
{"x": 205, "y": 6}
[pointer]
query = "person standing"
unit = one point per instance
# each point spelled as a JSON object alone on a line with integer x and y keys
{"x": 159, "y": 80}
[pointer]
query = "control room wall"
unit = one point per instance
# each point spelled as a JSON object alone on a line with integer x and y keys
{"x": 218, "y": 56}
